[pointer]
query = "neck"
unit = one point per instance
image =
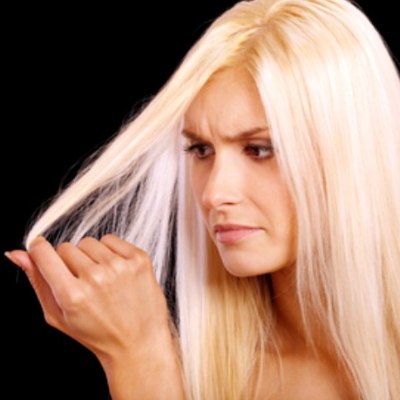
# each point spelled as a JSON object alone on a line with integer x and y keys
{"x": 290, "y": 327}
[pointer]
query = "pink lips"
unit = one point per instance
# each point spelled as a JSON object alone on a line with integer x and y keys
{"x": 229, "y": 233}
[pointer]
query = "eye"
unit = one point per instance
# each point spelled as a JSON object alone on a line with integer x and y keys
{"x": 259, "y": 152}
{"x": 200, "y": 150}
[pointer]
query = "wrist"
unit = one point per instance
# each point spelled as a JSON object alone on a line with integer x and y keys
{"x": 147, "y": 370}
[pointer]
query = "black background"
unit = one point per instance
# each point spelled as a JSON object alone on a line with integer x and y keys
{"x": 70, "y": 78}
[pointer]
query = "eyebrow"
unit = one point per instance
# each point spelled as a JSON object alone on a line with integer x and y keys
{"x": 241, "y": 135}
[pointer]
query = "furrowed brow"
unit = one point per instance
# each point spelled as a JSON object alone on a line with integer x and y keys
{"x": 239, "y": 136}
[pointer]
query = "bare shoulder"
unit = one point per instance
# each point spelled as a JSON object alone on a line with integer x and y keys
{"x": 292, "y": 377}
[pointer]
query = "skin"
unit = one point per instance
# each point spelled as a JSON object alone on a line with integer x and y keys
{"x": 99, "y": 292}
{"x": 238, "y": 181}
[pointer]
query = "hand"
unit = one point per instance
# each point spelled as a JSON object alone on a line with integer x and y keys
{"x": 103, "y": 293}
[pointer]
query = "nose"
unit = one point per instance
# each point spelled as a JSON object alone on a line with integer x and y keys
{"x": 222, "y": 185}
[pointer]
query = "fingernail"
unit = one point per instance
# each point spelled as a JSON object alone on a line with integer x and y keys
{"x": 13, "y": 259}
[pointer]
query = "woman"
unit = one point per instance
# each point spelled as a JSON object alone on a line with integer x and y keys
{"x": 282, "y": 219}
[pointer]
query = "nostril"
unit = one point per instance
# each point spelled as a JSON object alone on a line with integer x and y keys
{"x": 218, "y": 196}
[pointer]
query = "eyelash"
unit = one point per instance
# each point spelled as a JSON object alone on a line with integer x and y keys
{"x": 193, "y": 148}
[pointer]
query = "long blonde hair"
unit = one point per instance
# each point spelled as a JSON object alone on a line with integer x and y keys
{"x": 331, "y": 93}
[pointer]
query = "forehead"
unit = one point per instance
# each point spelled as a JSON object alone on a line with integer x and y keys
{"x": 229, "y": 102}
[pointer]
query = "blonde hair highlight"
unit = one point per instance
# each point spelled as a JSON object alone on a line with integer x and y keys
{"x": 331, "y": 93}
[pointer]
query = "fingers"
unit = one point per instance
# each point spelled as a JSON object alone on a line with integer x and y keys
{"x": 86, "y": 257}
{"x": 122, "y": 247}
{"x": 20, "y": 258}
{"x": 43, "y": 291}
{"x": 51, "y": 266}
{"x": 96, "y": 250}
{"x": 76, "y": 260}
{"x": 61, "y": 265}
{"x": 91, "y": 250}
{"x": 102, "y": 293}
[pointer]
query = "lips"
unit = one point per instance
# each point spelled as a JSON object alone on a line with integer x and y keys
{"x": 232, "y": 233}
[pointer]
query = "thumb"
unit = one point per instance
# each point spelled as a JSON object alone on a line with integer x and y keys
{"x": 43, "y": 291}
{"x": 21, "y": 258}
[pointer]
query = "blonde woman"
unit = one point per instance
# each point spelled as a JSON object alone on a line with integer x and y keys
{"x": 267, "y": 169}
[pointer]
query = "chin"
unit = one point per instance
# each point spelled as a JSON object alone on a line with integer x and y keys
{"x": 243, "y": 271}
{"x": 247, "y": 271}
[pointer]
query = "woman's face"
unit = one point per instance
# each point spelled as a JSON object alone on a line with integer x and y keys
{"x": 235, "y": 177}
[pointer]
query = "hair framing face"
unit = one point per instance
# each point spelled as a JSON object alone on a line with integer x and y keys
{"x": 332, "y": 94}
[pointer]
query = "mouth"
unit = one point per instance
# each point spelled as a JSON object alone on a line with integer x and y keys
{"x": 229, "y": 234}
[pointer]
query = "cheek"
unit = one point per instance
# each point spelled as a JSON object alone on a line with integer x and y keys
{"x": 198, "y": 179}
{"x": 275, "y": 204}
{"x": 285, "y": 225}
{"x": 273, "y": 198}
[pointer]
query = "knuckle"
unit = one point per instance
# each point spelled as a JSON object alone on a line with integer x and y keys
{"x": 122, "y": 267}
{"x": 63, "y": 247}
{"x": 73, "y": 301}
{"x": 131, "y": 252}
{"x": 51, "y": 320}
{"x": 115, "y": 262}
{"x": 108, "y": 237}
{"x": 85, "y": 241}
{"x": 142, "y": 259}
{"x": 98, "y": 277}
